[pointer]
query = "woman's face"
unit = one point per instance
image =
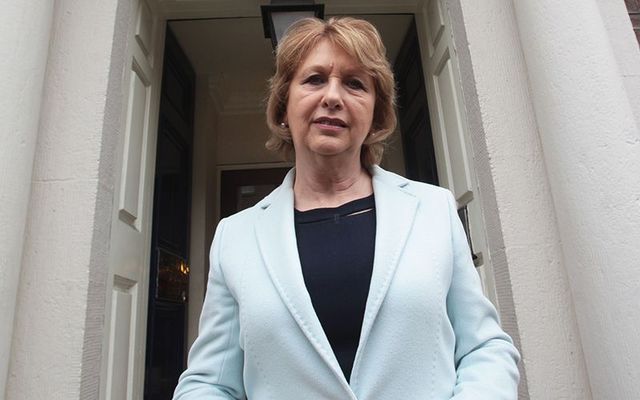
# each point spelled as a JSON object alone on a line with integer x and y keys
{"x": 330, "y": 106}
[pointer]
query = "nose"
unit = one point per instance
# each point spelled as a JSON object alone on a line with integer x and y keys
{"x": 332, "y": 98}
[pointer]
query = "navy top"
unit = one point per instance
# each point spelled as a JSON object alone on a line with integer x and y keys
{"x": 336, "y": 247}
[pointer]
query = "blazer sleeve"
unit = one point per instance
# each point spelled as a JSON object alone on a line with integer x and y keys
{"x": 485, "y": 357}
{"x": 215, "y": 362}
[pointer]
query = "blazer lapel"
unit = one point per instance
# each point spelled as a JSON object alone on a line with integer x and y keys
{"x": 275, "y": 232}
{"x": 395, "y": 212}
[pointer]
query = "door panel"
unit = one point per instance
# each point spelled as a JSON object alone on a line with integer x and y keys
{"x": 122, "y": 319}
{"x": 127, "y": 282}
{"x": 169, "y": 269}
{"x": 451, "y": 129}
{"x": 413, "y": 112}
{"x": 450, "y": 132}
{"x": 135, "y": 135}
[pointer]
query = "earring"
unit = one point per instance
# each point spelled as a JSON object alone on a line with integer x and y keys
{"x": 283, "y": 125}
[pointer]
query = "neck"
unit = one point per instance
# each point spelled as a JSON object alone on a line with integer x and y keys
{"x": 329, "y": 184}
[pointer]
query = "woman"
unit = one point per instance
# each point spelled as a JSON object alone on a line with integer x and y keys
{"x": 346, "y": 282}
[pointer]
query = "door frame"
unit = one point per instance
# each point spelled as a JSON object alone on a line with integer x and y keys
{"x": 167, "y": 10}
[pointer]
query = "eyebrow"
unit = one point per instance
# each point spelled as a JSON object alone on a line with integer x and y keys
{"x": 358, "y": 72}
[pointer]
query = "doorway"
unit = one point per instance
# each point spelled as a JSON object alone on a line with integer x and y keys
{"x": 225, "y": 112}
{"x": 229, "y": 122}
{"x": 231, "y": 61}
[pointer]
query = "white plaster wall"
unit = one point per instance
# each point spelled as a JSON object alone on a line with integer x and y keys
{"x": 524, "y": 242}
{"x": 24, "y": 44}
{"x": 56, "y": 348}
{"x": 203, "y": 201}
{"x": 625, "y": 48}
{"x": 591, "y": 148}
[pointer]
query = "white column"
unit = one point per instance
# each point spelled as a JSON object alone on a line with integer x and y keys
{"x": 56, "y": 347}
{"x": 24, "y": 44}
{"x": 532, "y": 285}
{"x": 591, "y": 149}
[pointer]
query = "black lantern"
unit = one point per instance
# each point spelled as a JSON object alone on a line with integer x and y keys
{"x": 280, "y": 14}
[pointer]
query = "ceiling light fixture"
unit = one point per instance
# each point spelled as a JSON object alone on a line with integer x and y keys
{"x": 280, "y": 14}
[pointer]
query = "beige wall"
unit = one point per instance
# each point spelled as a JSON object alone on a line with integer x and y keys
{"x": 203, "y": 201}
{"x": 241, "y": 139}
{"x": 393, "y": 158}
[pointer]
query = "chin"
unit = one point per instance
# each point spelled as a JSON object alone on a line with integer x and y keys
{"x": 329, "y": 148}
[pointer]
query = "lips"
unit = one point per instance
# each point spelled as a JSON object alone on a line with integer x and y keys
{"x": 331, "y": 122}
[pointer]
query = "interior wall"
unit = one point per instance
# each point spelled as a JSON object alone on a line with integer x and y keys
{"x": 393, "y": 158}
{"x": 203, "y": 201}
{"x": 241, "y": 139}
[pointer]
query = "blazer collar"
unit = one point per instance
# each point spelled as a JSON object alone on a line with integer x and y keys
{"x": 395, "y": 214}
{"x": 275, "y": 232}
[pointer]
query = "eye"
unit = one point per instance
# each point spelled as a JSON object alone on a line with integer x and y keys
{"x": 356, "y": 84}
{"x": 315, "y": 79}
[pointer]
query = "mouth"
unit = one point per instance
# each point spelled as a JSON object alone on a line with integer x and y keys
{"x": 336, "y": 122}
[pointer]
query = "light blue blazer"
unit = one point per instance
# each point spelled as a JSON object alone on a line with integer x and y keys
{"x": 428, "y": 331}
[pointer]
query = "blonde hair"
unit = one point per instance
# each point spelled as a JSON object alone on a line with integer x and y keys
{"x": 360, "y": 40}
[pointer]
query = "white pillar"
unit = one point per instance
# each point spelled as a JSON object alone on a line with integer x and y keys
{"x": 591, "y": 148}
{"x": 24, "y": 44}
{"x": 534, "y": 295}
{"x": 56, "y": 347}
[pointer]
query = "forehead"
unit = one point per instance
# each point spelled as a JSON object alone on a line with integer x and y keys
{"x": 327, "y": 55}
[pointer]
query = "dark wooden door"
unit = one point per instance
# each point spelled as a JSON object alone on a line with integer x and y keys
{"x": 169, "y": 274}
{"x": 413, "y": 112}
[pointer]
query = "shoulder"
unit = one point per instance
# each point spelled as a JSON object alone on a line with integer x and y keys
{"x": 246, "y": 218}
{"x": 250, "y": 214}
{"x": 424, "y": 192}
